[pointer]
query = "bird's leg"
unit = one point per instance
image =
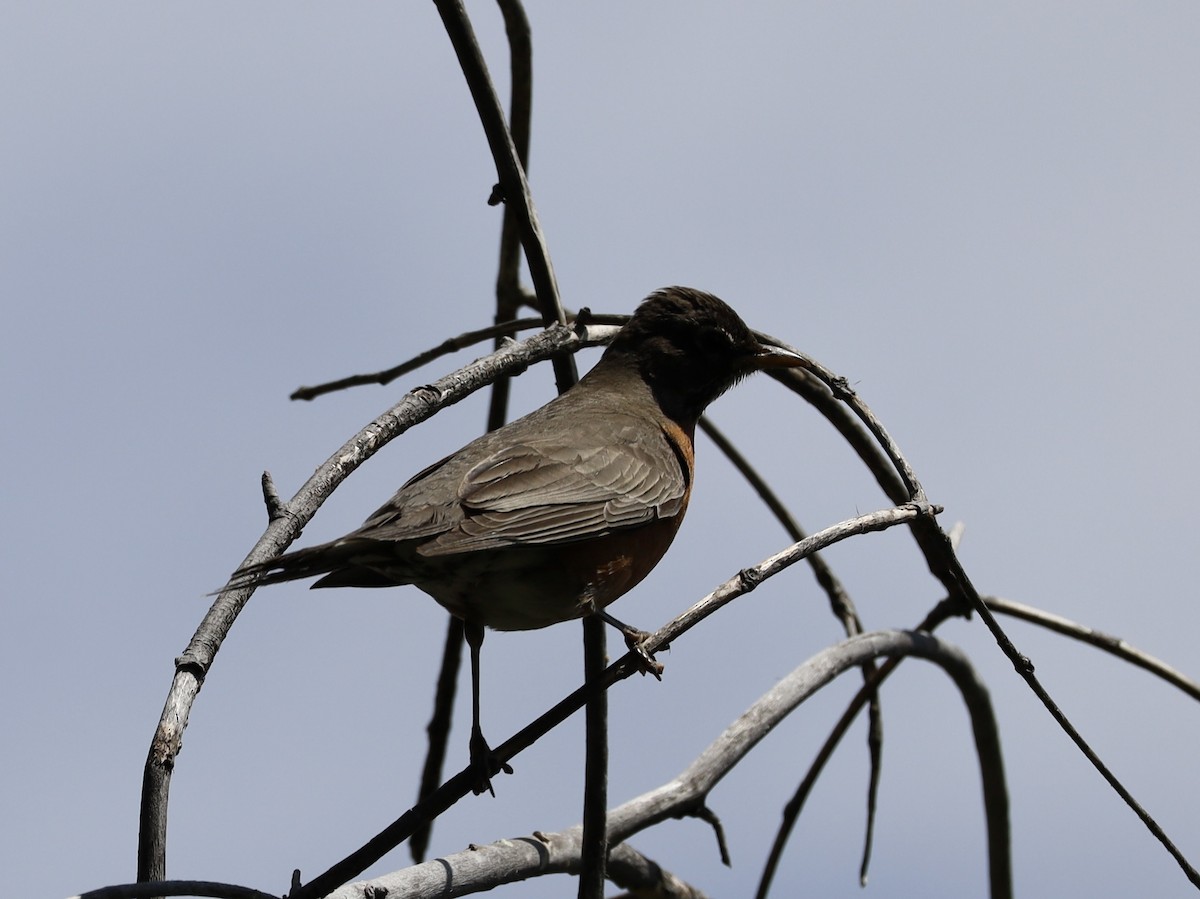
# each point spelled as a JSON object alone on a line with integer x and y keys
{"x": 482, "y": 760}
{"x": 634, "y": 639}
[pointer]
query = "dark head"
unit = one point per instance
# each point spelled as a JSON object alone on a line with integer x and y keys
{"x": 690, "y": 348}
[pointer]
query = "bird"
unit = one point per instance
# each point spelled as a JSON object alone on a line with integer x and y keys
{"x": 556, "y": 514}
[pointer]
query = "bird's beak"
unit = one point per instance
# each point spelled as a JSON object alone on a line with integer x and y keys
{"x": 777, "y": 357}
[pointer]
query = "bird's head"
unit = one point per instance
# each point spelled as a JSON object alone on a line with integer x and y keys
{"x": 690, "y": 347}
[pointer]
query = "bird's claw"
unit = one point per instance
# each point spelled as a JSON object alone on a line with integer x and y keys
{"x": 647, "y": 664}
{"x": 485, "y": 765}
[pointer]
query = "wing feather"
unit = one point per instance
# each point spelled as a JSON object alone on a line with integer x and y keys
{"x": 534, "y": 493}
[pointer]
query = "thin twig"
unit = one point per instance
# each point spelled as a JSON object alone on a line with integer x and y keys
{"x": 513, "y": 183}
{"x": 839, "y": 599}
{"x": 594, "y": 849}
{"x": 509, "y": 299}
{"x": 1024, "y": 667}
{"x": 843, "y": 609}
{"x": 1107, "y": 642}
{"x": 451, "y": 345}
{"x": 822, "y": 398}
{"x": 438, "y": 729}
{"x": 868, "y": 692}
{"x": 510, "y": 296}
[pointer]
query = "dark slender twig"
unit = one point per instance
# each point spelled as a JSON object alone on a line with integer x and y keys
{"x": 513, "y": 184}
{"x": 594, "y": 849}
{"x": 519, "y": 201}
{"x": 1024, "y": 667}
{"x": 822, "y": 398}
{"x": 438, "y": 729}
{"x": 936, "y": 617}
{"x": 1107, "y": 642}
{"x": 509, "y": 295}
{"x": 843, "y": 608}
{"x": 875, "y": 769}
{"x": 450, "y": 345}
{"x": 175, "y": 888}
{"x": 509, "y": 299}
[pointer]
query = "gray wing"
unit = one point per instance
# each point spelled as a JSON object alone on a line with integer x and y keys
{"x": 538, "y": 493}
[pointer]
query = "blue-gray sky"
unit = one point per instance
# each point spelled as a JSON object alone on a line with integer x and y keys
{"x": 986, "y": 217}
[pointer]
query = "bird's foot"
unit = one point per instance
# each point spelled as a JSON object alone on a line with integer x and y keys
{"x": 484, "y": 764}
{"x": 647, "y": 664}
{"x": 634, "y": 639}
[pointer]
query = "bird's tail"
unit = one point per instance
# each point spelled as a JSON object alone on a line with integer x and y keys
{"x": 340, "y": 562}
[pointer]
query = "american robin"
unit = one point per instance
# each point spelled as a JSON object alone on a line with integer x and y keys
{"x": 557, "y": 514}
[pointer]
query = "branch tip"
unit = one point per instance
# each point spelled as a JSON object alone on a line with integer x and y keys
{"x": 707, "y": 815}
{"x": 275, "y": 507}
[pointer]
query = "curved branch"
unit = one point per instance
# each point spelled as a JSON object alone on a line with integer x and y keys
{"x": 1107, "y": 642}
{"x": 483, "y": 868}
{"x": 513, "y": 183}
{"x": 192, "y": 666}
{"x": 507, "y": 861}
{"x": 749, "y": 578}
{"x": 842, "y": 606}
{"x": 946, "y": 566}
{"x": 688, "y": 791}
{"x": 147, "y": 890}
{"x": 822, "y": 397}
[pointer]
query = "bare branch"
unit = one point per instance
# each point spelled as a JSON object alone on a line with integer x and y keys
{"x": 438, "y": 729}
{"x": 507, "y": 861}
{"x": 513, "y": 184}
{"x": 839, "y": 599}
{"x": 945, "y": 565}
{"x": 191, "y": 667}
{"x": 483, "y": 868}
{"x": 150, "y": 889}
{"x": 749, "y": 578}
{"x": 630, "y": 663}
{"x": 594, "y": 846}
{"x": 450, "y": 345}
{"x": 1099, "y": 639}
{"x": 689, "y": 789}
{"x": 843, "y": 608}
{"x": 1024, "y": 667}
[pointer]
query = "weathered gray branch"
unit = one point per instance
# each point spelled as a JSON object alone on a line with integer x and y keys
{"x": 626, "y": 666}
{"x": 509, "y": 861}
{"x": 483, "y": 868}
{"x": 192, "y": 665}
